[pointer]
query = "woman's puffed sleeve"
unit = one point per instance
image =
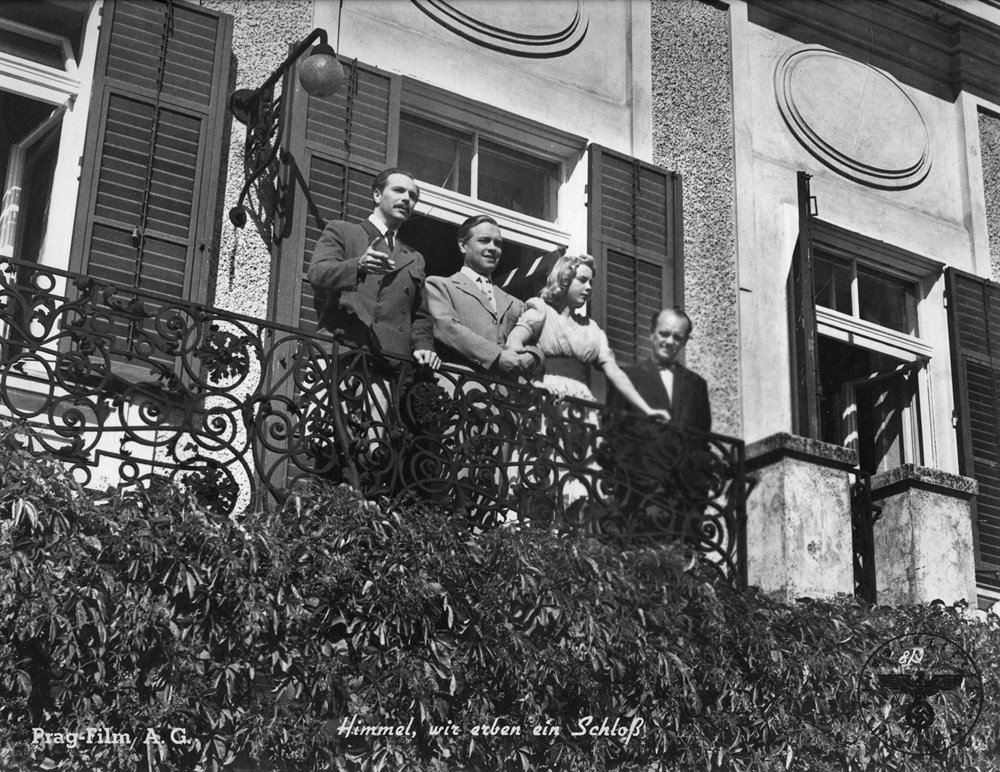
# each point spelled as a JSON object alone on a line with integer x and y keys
{"x": 532, "y": 319}
{"x": 604, "y": 352}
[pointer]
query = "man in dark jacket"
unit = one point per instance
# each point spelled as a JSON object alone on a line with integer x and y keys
{"x": 371, "y": 285}
{"x": 663, "y": 381}
{"x": 665, "y": 477}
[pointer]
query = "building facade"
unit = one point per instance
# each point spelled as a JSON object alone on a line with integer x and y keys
{"x": 816, "y": 182}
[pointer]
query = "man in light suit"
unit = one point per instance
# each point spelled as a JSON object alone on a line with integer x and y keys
{"x": 472, "y": 316}
{"x": 472, "y": 319}
{"x": 371, "y": 285}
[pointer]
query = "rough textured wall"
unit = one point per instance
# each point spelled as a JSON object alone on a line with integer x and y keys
{"x": 693, "y": 135}
{"x": 989, "y": 140}
{"x": 262, "y": 32}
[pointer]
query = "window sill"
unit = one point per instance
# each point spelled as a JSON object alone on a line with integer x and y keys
{"x": 456, "y": 208}
{"x": 857, "y": 332}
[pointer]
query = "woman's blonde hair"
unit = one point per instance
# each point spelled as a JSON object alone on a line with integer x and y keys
{"x": 562, "y": 275}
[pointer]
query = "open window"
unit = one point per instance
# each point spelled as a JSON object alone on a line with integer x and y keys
{"x": 40, "y": 44}
{"x": 859, "y": 363}
{"x": 472, "y": 158}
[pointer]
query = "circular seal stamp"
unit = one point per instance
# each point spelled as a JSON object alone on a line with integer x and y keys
{"x": 920, "y": 693}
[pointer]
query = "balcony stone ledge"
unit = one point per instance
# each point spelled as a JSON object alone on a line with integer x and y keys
{"x": 799, "y": 540}
{"x": 924, "y": 548}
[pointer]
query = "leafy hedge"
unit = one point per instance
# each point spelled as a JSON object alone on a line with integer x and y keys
{"x": 128, "y": 612}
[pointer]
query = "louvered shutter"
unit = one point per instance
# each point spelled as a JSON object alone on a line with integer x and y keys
{"x": 974, "y": 327}
{"x": 802, "y": 324}
{"x": 634, "y": 233}
{"x": 147, "y": 208}
{"x": 334, "y": 148}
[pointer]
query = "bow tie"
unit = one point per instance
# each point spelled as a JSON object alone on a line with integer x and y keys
{"x": 673, "y": 367}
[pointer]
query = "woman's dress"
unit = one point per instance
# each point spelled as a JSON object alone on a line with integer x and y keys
{"x": 570, "y": 345}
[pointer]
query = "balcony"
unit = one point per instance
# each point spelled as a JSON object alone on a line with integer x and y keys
{"x": 132, "y": 388}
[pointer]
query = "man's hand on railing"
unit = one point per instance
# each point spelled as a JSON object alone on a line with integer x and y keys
{"x": 511, "y": 361}
{"x": 427, "y": 357}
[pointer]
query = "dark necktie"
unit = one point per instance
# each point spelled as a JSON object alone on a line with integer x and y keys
{"x": 390, "y": 242}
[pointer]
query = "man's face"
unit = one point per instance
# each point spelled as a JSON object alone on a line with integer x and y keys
{"x": 395, "y": 202}
{"x": 669, "y": 337}
{"x": 481, "y": 249}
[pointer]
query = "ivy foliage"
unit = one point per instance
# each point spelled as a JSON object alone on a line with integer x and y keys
{"x": 131, "y": 614}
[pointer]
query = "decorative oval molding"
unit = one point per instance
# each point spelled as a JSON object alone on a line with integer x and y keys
{"x": 854, "y": 118}
{"x": 533, "y": 45}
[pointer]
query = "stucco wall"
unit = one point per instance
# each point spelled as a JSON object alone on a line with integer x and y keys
{"x": 262, "y": 32}
{"x": 693, "y": 134}
{"x": 989, "y": 141}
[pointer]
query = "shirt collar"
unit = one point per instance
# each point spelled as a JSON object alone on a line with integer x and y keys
{"x": 475, "y": 276}
{"x": 379, "y": 225}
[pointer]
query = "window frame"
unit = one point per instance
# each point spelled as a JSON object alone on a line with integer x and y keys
{"x": 499, "y": 127}
{"x": 918, "y": 271}
{"x": 43, "y": 83}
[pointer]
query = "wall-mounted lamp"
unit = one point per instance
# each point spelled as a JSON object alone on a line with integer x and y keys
{"x": 321, "y": 75}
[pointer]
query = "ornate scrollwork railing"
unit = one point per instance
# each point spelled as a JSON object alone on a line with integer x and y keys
{"x": 128, "y": 386}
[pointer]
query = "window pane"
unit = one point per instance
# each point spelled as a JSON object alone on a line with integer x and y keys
{"x": 514, "y": 181}
{"x": 887, "y": 301}
{"x": 31, "y": 48}
{"x": 435, "y": 154}
{"x": 832, "y": 281}
{"x": 862, "y": 402}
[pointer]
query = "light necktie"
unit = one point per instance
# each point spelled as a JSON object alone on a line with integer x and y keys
{"x": 487, "y": 287}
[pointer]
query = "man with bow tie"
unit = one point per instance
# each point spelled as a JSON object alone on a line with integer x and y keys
{"x": 661, "y": 491}
{"x": 663, "y": 381}
{"x": 371, "y": 285}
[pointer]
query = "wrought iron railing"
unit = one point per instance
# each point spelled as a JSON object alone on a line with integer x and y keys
{"x": 127, "y": 386}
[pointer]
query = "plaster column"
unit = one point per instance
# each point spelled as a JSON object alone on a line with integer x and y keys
{"x": 799, "y": 539}
{"x": 924, "y": 548}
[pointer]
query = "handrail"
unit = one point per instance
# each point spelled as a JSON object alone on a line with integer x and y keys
{"x": 127, "y": 386}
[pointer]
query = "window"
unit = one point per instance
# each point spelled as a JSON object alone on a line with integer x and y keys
{"x": 469, "y": 164}
{"x": 869, "y": 395}
{"x": 852, "y": 288}
{"x": 470, "y": 157}
{"x": 859, "y": 365}
{"x": 38, "y": 80}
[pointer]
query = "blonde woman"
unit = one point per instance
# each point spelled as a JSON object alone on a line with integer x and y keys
{"x": 570, "y": 341}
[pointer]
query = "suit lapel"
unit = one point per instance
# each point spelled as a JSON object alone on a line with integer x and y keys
{"x": 401, "y": 253}
{"x": 504, "y": 301}
{"x": 468, "y": 286}
{"x": 652, "y": 373}
{"x": 680, "y": 391}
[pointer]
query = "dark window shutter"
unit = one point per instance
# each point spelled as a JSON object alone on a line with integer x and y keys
{"x": 634, "y": 233}
{"x": 148, "y": 193}
{"x": 802, "y": 324}
{"x": 974, "y": 327}
{"x": 333, "y": 150}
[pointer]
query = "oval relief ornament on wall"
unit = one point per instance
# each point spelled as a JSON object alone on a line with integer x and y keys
{"x": 550, "y": 30}
{"x": 854, "y": 118}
